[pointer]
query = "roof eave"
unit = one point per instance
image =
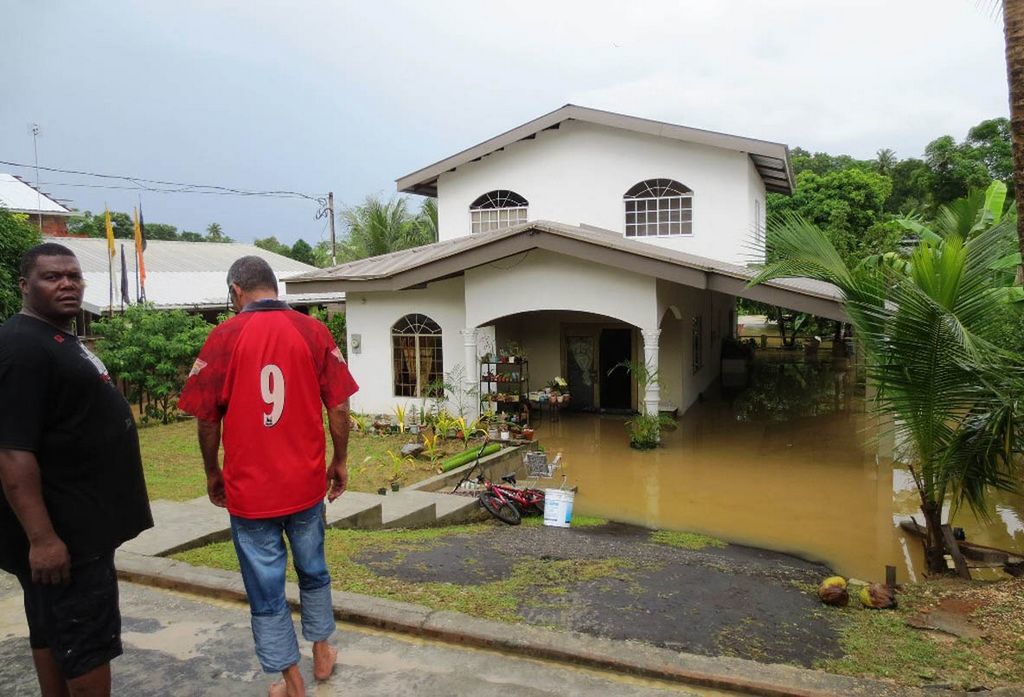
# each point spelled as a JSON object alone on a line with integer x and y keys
{"x": 424, "y": 181}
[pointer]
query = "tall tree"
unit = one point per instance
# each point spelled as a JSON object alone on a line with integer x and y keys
{"x": 1013, "y": 30}
{"x": 379, "y": 227}
{"x": 17, "y": 235}
{"x": 427, "y": 220}
{"x": 844, "y": 203}
{"x": 885, "y": 160}
{"x": 214, "y": 233}
{"x": 302, "y": 251}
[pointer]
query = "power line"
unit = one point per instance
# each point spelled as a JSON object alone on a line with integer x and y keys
{"x": 140, "y": 183}
{"x": 173, "y": 191}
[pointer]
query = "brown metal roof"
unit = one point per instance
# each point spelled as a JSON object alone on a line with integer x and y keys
{"x": 770, "y": 159}
{"x": 414, "y": 267}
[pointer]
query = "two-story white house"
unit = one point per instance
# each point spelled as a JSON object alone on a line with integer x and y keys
{"x": 586, "y": 238}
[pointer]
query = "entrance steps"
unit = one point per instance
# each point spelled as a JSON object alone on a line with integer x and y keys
{"x": 407, "y": 508}
{"x": 183, "y": 525}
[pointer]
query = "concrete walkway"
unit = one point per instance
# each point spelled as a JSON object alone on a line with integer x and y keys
{"x": 179, "y": 645}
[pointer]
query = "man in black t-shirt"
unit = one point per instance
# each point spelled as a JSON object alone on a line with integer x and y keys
{"x": 71, "y": 475}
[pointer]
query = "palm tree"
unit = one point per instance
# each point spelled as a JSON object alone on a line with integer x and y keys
{"x": 1013, "y": 31}
{"x": 921, "y": 322}
{"x": 885, "y": 160}
{"x": 377, "y": 227}
{"x": 427, "y": 220}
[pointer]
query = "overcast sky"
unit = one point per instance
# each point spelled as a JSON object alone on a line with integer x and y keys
{"x": 348, "y": 96}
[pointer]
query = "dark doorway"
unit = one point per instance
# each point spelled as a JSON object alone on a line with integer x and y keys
{"x": 616, "y": 345}
{"x": 580, "y": 371}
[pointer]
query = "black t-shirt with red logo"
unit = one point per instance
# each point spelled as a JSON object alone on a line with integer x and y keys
{"x": 58, "y": 401}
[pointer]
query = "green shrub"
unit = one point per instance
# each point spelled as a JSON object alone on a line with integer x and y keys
{"x": 151, "y": 350}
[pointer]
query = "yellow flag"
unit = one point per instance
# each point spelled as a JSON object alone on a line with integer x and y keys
{"x": 110, "y": 232}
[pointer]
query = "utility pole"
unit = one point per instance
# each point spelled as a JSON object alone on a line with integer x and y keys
{"x": 39, "y": 199}
{"x": 330, "y": 215}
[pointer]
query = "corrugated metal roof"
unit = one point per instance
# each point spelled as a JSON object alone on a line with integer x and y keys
{"x": 16, "y": 195}
{"x": 771, "y": 160}
{"x": 389, "y": 265}
{"x": 178, "y": 274}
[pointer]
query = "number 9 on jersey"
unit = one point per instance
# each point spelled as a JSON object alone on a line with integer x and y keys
{"x": 272, "y": 390}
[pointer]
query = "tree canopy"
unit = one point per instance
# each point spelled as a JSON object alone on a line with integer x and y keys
{"x": 17, "y": 236}
{"x": 378, "y": 227}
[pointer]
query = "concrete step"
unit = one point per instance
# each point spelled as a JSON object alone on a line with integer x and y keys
{"x": 404, "y": 509}
{"x": 451, "y": 509}
{"x": 356, "y": 510}
{"x": 181, "y": 525}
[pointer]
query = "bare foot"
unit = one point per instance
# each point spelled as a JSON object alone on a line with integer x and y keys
{"x": 324, "y": 658}
{"x": 291, "y": 686}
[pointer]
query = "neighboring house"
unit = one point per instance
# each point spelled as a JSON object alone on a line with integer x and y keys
{"x": 47, "y": 214}
{"x": 585, "y": 237}
{"x": 190, "y": 276}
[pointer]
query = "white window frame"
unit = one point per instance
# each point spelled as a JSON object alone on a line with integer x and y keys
{"x": 421, "y": 324}
{"x": 490, "y": 214}
{"x": 681, "y": 203}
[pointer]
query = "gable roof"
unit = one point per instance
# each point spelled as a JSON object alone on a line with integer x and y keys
{"x": 414, "y": 267}
{"x": 21, "y": 197}
{"x": 187, "y": 275}
{"x": 770, "y": 159}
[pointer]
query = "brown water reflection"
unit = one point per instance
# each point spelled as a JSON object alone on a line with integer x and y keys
{"x": 789, "y": 464}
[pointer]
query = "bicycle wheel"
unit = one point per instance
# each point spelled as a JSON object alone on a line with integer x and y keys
{"x": 502, "y": 510}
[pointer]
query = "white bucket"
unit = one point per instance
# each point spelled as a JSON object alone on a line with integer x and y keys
{"x": 558, "y": 507}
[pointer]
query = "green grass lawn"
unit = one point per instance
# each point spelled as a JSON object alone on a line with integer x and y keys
{"x": 174, "y": 468}
{"x": 880, "y": 643}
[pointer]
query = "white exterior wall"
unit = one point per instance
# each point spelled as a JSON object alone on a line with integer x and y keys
{"x": 679, "y": 384}
{"x": 579, "y": 173}
{"x": 542, "y": 280}
{"x": 754, "y": 250}
{"x": 372, "y": 315}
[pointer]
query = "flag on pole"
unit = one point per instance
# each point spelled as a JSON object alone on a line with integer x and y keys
{"x": 139, "y": 247}
{"x": 125, "y": 298}
{"x": 110, "y": 232}
{"x": 142, "y": 227}
{"x": 110, "y": 258}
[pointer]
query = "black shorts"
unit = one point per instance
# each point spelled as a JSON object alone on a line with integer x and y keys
{"x": 80, "y": 622}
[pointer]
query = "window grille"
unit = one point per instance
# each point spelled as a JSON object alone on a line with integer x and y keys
{"x": 659, "y": 208}
{"x": 416, "y": 355}
{"x": 496, "y": 210}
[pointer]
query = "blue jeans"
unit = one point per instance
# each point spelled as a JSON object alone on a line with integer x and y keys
{"x": 261, "y": 551}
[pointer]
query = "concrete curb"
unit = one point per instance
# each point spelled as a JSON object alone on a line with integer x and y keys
{"x": 626, "y": 657}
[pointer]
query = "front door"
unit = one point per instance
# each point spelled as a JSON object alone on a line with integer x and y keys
{"x": 580, "y": 371}
{"x": 616, "y": 383}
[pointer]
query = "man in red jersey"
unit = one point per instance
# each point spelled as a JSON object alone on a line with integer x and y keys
{"x": 267, "y": 374}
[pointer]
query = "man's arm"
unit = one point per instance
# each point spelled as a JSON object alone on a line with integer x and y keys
{"x": 209, "y": 446}
{"x": 48, "y": 556}
{"x": 337, "y": 471}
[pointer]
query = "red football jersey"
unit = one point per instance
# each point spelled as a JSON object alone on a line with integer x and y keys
{"x": 267, "y": 373}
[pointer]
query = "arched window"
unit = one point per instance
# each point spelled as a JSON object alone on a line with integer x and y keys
{"x": 497, "y": 209}
{"x": 416, "y": 355}
{"x": 659, "y": 208}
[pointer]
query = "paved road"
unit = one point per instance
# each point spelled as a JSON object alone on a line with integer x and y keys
{"x": 178, "y": 645}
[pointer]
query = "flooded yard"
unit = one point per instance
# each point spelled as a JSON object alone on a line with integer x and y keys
{"x": 790, "y": 464}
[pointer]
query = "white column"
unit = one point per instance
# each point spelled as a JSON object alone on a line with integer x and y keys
{"x": 471, "y": 380}
{"x": 652, "y": 398}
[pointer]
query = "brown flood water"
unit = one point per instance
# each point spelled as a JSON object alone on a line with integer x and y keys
{"x": 788, "y": 464}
